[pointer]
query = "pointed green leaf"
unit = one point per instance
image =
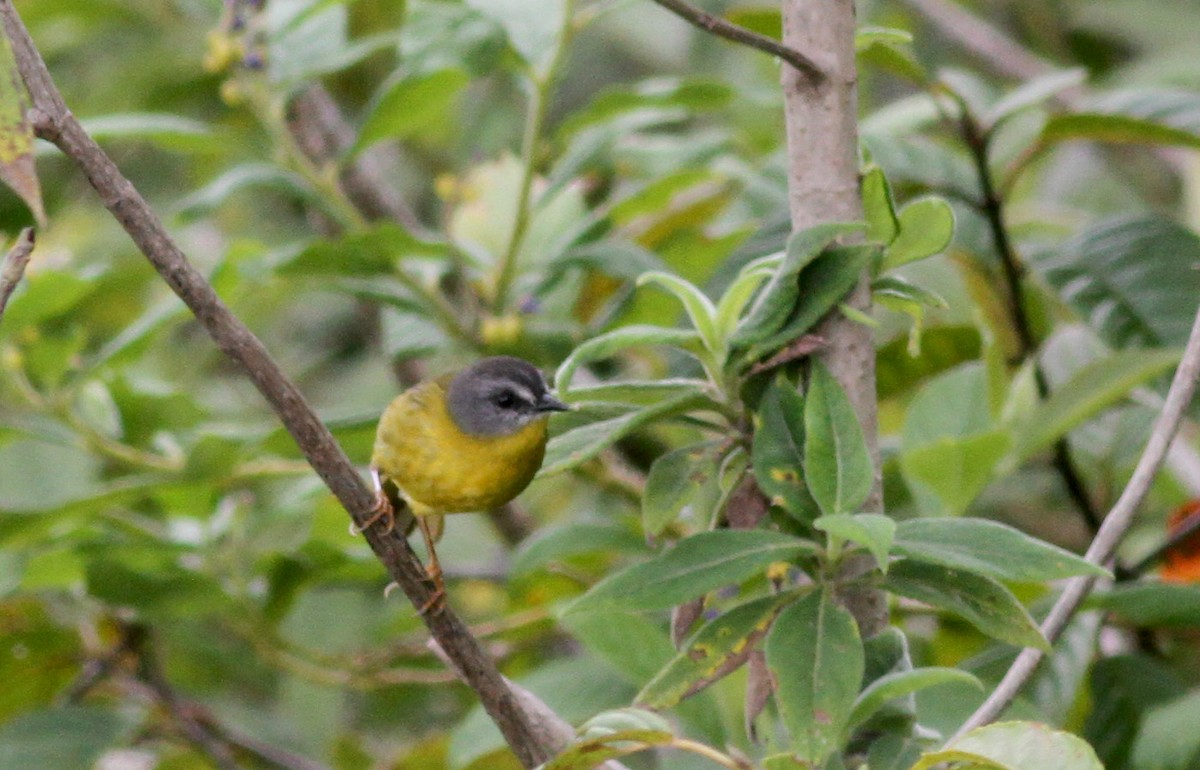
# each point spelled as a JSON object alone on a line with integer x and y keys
{"x": 581, "y": 444}
{"x": 988, "y": 548}
{"x": 551, "y": 544}
{"x": 1152, "y": 603}
{"x": 635, "y": 392}
{"x": 678, "y": 479}
{"x": 409, "y": 105}
{"x": 720, "y": 645}
{"x": 896, "y": 685}
{"x": 902, "y": 289}
{"x": 953, "y": 471}
{"x": 17, "y": 167}
{"x": 823, "y": 284}
{"x": 882, "y": 224}
{"x": 1090, "y": 391}
{"x": 733, "y": 301}
{"x": 979, "y": 600}
{"x": 926, "y": 228}
{"x": 1133, "y": 278}
{"x": 1015, "y": 746}
{"x": 694, "y": 566}
{"x": 699, "y": 307}
{"x": 816, "y": 659}
{"x": 777, "y": 299}
{"x": 837, "y": 465}
{"x": 777, "y": 450}
{"x": 610, "y": 342}
{"x": 1115, "y": 129}
{"x": 873, "y": 531}
{"x": 1033, "y": 92}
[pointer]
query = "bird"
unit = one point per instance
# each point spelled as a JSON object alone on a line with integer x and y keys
{"x": 467, "y": 441}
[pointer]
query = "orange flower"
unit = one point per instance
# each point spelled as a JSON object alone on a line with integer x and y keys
{"x": 1181, "y": 564}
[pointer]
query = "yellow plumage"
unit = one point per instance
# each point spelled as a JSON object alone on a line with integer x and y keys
{"x": 469, "y": 441}
{"x": 440, "y": 469}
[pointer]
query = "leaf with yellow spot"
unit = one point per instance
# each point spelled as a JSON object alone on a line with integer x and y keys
{"x": 17, "y": 168}
{"x": 778, "y": 450}
{"x": 718, "y": 648}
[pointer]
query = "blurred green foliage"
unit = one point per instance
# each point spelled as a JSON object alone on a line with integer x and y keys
{"x": 602, "y": 190}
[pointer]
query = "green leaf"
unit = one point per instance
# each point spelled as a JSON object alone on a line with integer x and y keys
{"x": 733, "y": 301}
{"x": 66, "y": 737}
{"x": 17, "y": 167}
{"x": 816, "y": 658}
{"x": 635, "y": 392}
{"x": 633, "y": 644}
{"x": 1123, "y": 688}
{"x": 1168, "y": 737}
{"x": 926, "y": 228}
{"x": 678, "y": 479}
{"x": 873, "y": 531}
{"x": 896, "y": 685}
{"x": 1015, "y": 746}
{"x": 988, "y": 548}
{"x": 867, "y": 35}
{"x": 1171, "y": 605}
{"x": 882, "y": 224}
{"x": 950, "y": 405}
{"x": 46, "y": 294}
{"x": 777, "y": 450}
{"x": 699, "y": 307}
{"x": 168, "y": 131}
{"x": 823, "y": 284}
{"x": 693, "y": 567}
{"x": 902, "y": 289}
{"x": 1089, "y": 392}
{"x": 713, "y": 651}
{"x": 601, "y": 745}
{"x": 949, "y": 473}
{"x": 533, "y": 27}
{"x": 1033, "y": 92}
{"x": 1134, "y": 278}
{"x": 777, "y": 299}
{"x": 607, "y": 344}
{"x": 551, "y": 544}
{"x": 1114, "y": 129}
{"x": 581, "y": 444}
{"x": 980, "y": 600}
{"x": 408, "y": 105}
{"x": 837, "y": 465}
{"x": 370, "y": 252}
{"x": 246, "y": 176}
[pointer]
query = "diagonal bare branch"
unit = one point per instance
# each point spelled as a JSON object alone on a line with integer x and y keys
{"x": 1113, "y": 530}
{"x": 55, "y": 123}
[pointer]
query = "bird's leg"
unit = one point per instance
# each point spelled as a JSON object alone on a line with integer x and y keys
{"x": 382, "y": 509}
{"x": 436, "y": 600}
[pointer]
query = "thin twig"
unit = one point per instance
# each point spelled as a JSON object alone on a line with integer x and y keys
{"x": 1112, "y": 531}
{"x": 739, "y": 34}
{"x": 977, "y": 141}
{"x": 54, "y": 122}
{"x": 14, "y": 266}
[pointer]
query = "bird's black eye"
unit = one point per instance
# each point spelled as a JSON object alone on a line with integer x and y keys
{"x": 505, "y": 400}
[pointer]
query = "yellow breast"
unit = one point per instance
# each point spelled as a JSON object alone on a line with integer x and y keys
{"x": 440, "y": 469}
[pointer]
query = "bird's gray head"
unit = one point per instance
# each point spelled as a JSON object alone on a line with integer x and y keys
{"x": 498, "y": 396}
